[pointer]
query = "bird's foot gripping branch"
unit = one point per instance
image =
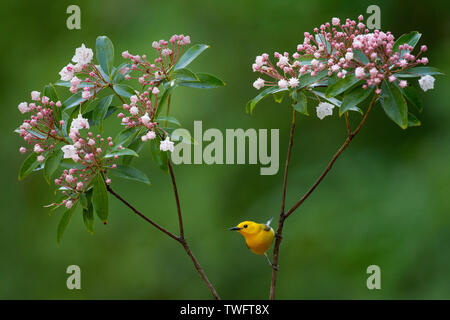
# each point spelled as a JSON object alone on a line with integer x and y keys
{"x": 344, "y": 65}
{"x": 66, "y": 139}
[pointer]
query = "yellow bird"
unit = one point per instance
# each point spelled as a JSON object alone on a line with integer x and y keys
{"x": 258, "y": 236}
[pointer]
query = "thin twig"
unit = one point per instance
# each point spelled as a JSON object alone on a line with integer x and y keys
{"x": 282, "y": 215}
{"x": 175, "y": 191}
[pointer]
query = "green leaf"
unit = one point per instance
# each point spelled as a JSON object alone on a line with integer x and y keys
{"x": 342, "y": 85}
{"x": 411, "y": 39}
{"x": 137, "y": 144}
{"x": 88, "y": 210}
{"x": 163, "y": 99}
{"x": 90, "y": 115}
{"x": 123, "y": 90}
{"x": 394, "y": 104}
{"x": 307, "y": 79}
{"x": 126, "y": 135}
{"x": 360, "y": 56}
{"x": 301, "y": 104}
{"x": 100, "y": 198}
{"x": 117, "y": 75}
{"x": 159, "y": 157}
{"x": 169, "y": 120}
{"x": 413, "y": 121}
{"x": 100, "y": 111}
{"x": 354, "y": 97}
{"x": 189, "y": 56}
{"x": 67, "y": 84}
{"x": 28, "y": 165}
{"x": 129, "y": 173}
{"x": 50, "y": 92}
{"x": 418, "y": 72}
{"x": 72, "y": 102}
{"x": 278, "y": 96}
{"x": 51, "y": 164}
{"x": 266, "y": 92}
{"x": 105, "y": 53}
{"x": 122, "y": 152}
{"x": 413, "y": 97}
{"x": 206, "y": 81}
{"x": 184, "y": 75}
{"x": 64, "y": 222}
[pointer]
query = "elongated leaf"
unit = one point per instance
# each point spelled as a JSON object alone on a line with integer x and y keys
{"x": 394, "y": 104}
{"x": 358, "y": 55}
{"x": 100, "y": 111}
{"x": 28, "y": 165}
{"x": 418, "y": 72}
{"x": 307, "y": 79}
{"x": 206, "y": 81}
{"x": 413, "y": 121}
{"x": 90, "y": 115}
{"x": 100, "y": 198}
{"x": 126, "y": 135}
{"x": 266, "y": 92}
{"x": 64, "y": 222}
{"x": 122, "y": 152}
{"x": 72, "y": 102}
{"x": 411, "y": 39}
{"x": 136, "y": 145}
{"x": 413, "y": 97}
{"x": 279, "y": 96}
{"x": 169, "y": 120}
{"x": 164, "y": 98}
{"x": 302, "y": 104}
{"x": 342, "y": 85}
{"x": 123, "y": 90}
{"x": 88, "y": 210}
{"x": 105, "y": 53}
{"x": 129, "y": 173}
{"x": 67, "y": 84}
{"x": 354, "y": 97}
{"x": 184, "y": 75}
{"x": 189, "y": 56}
{"x": 51, "y": 164}
{"x": 159, "y": 157}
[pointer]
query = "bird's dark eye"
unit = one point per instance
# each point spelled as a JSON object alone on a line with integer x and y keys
{"x": 245, "y": 226}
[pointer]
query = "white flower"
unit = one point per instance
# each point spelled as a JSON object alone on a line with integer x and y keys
{"x": 23, "y": 107}
{"x": 315, "y": 62}
{"x": 151, "y": 135}
{"x": 155, "y": 44}
{"x": 349, "y": 56}
{"x": 35, "y": 95}
{"x": 283, "y": 83}
{"x": 69, "y": 204}
{"x": 293, "y": 82}
{"x": 38, "y": 149}
{"x": 75, "y": 81}
{"x": 134, "y": 99}
{"x": 166, "y": 145}
{"x": 360, "y": 73}
{"x": 79, "y": 123}
{"x": 83, "y": 55}
{"x": 134, "y": 110}
{"x": 66, "y": 73}
{"x": 69, "y": 151}
{"x": 258, "y": 84}
{"x": 335, "y": 21}
{"x": 165, "y": 52}
{"x": 145, "y": 118}
{"x": 155, "y": 90}
{"x": 324, "y": 109}
{"x": 85, "y": 94}
{"x": 158, "y": 75}
{"x": 284, "y": 61}
{"x": 426, "y": 82}
{"x": 40, "y": 158}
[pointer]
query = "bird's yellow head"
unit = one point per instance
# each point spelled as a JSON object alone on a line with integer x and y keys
{"x": 247, "y": 228}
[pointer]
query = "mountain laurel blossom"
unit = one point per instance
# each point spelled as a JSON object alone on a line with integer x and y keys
{"x": 426, "y": 82}
{"x": 324, "y": 109}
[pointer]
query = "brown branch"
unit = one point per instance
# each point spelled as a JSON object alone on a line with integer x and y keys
{"x": 284, "y": 216}
{"x": 175, "y": 191}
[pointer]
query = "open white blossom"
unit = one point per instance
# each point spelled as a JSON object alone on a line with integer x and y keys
{"x": 83, "y": 55}
{"x": 426, "y": 82}
{"x": 166, "y": 145}
{"x": 324, "y": 109}
{"x": 23, "y": 107}
{"x": 283, "y": 83}
{"x": 258, "y": 84}
{"x": 70, "y": 152}
{"x": 79, "y": 123}
{"x": 66, "y": 73}
{"x": 145, "y": 118}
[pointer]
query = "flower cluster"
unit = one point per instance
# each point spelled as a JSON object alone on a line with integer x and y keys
{"x": 168, "y": 54}
{"x": 42, "y": 132}
{"x": 342, "y": 49}
{"x": 84, "y": 74}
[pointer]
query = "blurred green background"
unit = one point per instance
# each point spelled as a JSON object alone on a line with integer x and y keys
{"x": 386, "y": 201}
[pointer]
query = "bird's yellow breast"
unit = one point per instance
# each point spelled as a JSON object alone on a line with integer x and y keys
{"x": 261, "y": 241}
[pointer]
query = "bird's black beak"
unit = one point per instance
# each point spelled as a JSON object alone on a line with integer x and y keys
{"x": 235, "y": 229}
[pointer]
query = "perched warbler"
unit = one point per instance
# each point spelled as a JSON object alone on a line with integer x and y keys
{"x": 258, "y": 236}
